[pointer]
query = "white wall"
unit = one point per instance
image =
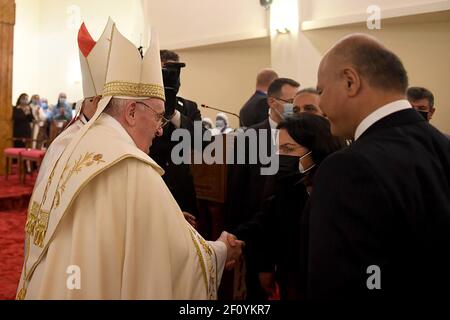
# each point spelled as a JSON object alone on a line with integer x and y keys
{"x": 183, "y": 24}
{"x": 26, "y": 48}
{"x": 50, "y": 64}
{"x": 325, "y": 9}
{"x": 223, "y": 76}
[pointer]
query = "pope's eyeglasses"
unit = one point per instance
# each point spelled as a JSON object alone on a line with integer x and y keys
{"x": 159, "y": 117}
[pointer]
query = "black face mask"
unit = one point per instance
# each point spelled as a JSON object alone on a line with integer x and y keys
{"x": 424, "y": 114}
{"x": 288, "y": 165}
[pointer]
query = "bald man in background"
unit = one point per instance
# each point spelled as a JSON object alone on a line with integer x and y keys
{"x": 379, "y": 222}
{"x": 256, "y": 109}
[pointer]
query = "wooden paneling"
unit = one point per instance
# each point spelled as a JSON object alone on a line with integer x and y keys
{"x": 7, "y": 20}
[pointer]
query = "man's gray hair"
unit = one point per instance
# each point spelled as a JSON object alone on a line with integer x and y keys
{"x": 114, "y": 107}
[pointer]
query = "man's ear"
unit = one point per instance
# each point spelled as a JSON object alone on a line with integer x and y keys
{"x": 270, "y": 101}
{"x": 130, "y": 113}
{"x": 431, "y": 113}
{"x": 353, "y": 81}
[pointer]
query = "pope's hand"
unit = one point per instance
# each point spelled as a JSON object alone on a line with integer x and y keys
{"x": 234, "y": 248}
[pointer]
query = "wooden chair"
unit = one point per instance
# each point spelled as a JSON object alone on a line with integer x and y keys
{"x": 10, "y": 155}
{"x": 32, "y": 156}
{"x": 56, "y": 127}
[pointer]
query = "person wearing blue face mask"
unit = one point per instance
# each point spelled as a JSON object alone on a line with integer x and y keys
{"x": 62, "y": 110}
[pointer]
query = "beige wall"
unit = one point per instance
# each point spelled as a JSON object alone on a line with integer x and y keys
{"x": 26, "y": 49}
{"x": 183, "y": 24}
{"x": 424, "y": 48}
{"x": 223, "y": 76}
{"x": 46, "y": 59}
{"x": 326, "y": 9}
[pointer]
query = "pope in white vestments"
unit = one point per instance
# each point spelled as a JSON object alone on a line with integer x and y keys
{"x": 104, "y": 225}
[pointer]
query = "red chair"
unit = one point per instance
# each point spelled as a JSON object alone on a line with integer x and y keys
{"x": 32, "y": 155}
{"x": 10, "y": 154}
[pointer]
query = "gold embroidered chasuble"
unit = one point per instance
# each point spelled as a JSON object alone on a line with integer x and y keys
{"x": 112, "y": 230}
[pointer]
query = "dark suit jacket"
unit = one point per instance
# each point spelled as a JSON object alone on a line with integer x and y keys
{"x": 246, "y": 185}
{"x": 255, "y": 110}
{"x": 178, "y": 178}
{"x": 384, "y": 201}
{"x": 274, "y": 233}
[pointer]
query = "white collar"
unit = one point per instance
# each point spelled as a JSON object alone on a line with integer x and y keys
{"x": 113, "y": 123}
{"x": 273, "y": 124}
{"x": 379, "y": 114}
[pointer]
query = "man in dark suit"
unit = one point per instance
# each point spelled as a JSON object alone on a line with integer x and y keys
{"x": 246, "y": 181}
{"x": 256, "y": 109}
{"x": 422, "y": 100}
{"x": 379, "y": 218}
{"x": 182, "y": 114}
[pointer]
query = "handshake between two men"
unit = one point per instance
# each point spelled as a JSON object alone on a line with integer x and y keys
{"x": 234, "y": 246}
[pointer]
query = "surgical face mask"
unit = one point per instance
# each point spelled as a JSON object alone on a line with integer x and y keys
{"x": 288, "y": 110}
{"x": 62, "y": 100}
{"x": 300, "y": 166}
{"x": 288, "y": 164}
{"x": 24, "y": 101}
{"x": 220, "y": 124}
{"x": 44, "y": 106}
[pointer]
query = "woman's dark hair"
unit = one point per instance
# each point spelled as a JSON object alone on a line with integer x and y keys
{"x": 312, "y": 132}
{"x": 20, "y": 98}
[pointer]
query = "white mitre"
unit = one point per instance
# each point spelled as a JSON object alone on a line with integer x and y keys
{"x": 93, "y": 61}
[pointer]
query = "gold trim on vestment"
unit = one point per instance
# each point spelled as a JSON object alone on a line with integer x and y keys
{"x": 27, "y": 277}
{"x": 122, "y": 88}
{"x": 202, "y": 261}
{"x": 87, "y": 160}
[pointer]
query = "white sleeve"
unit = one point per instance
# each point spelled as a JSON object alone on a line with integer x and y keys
{"x": 221, "y": 251}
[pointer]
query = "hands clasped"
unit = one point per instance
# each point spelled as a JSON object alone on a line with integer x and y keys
{"x": 234, "y": 248}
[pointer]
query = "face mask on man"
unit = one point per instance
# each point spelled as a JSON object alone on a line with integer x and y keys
{"x": 62, "y": 100}
{"x": 424, "y": 114}
{"x": 288, "y": 110}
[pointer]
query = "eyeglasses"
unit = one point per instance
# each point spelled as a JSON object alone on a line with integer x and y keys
{"x": 287, "y": 101}
{"x": 159, "y": 117}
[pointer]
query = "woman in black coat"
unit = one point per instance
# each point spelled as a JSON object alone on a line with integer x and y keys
{"x": 22, "y": 119}
{"x": 273, "y": 236}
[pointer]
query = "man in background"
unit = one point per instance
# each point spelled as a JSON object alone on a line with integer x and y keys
{"x": 422, "y": 100}
{"x": 256, "y": 109}
{"x": 308, "y": 100}
{"x": 182, "y": 114}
